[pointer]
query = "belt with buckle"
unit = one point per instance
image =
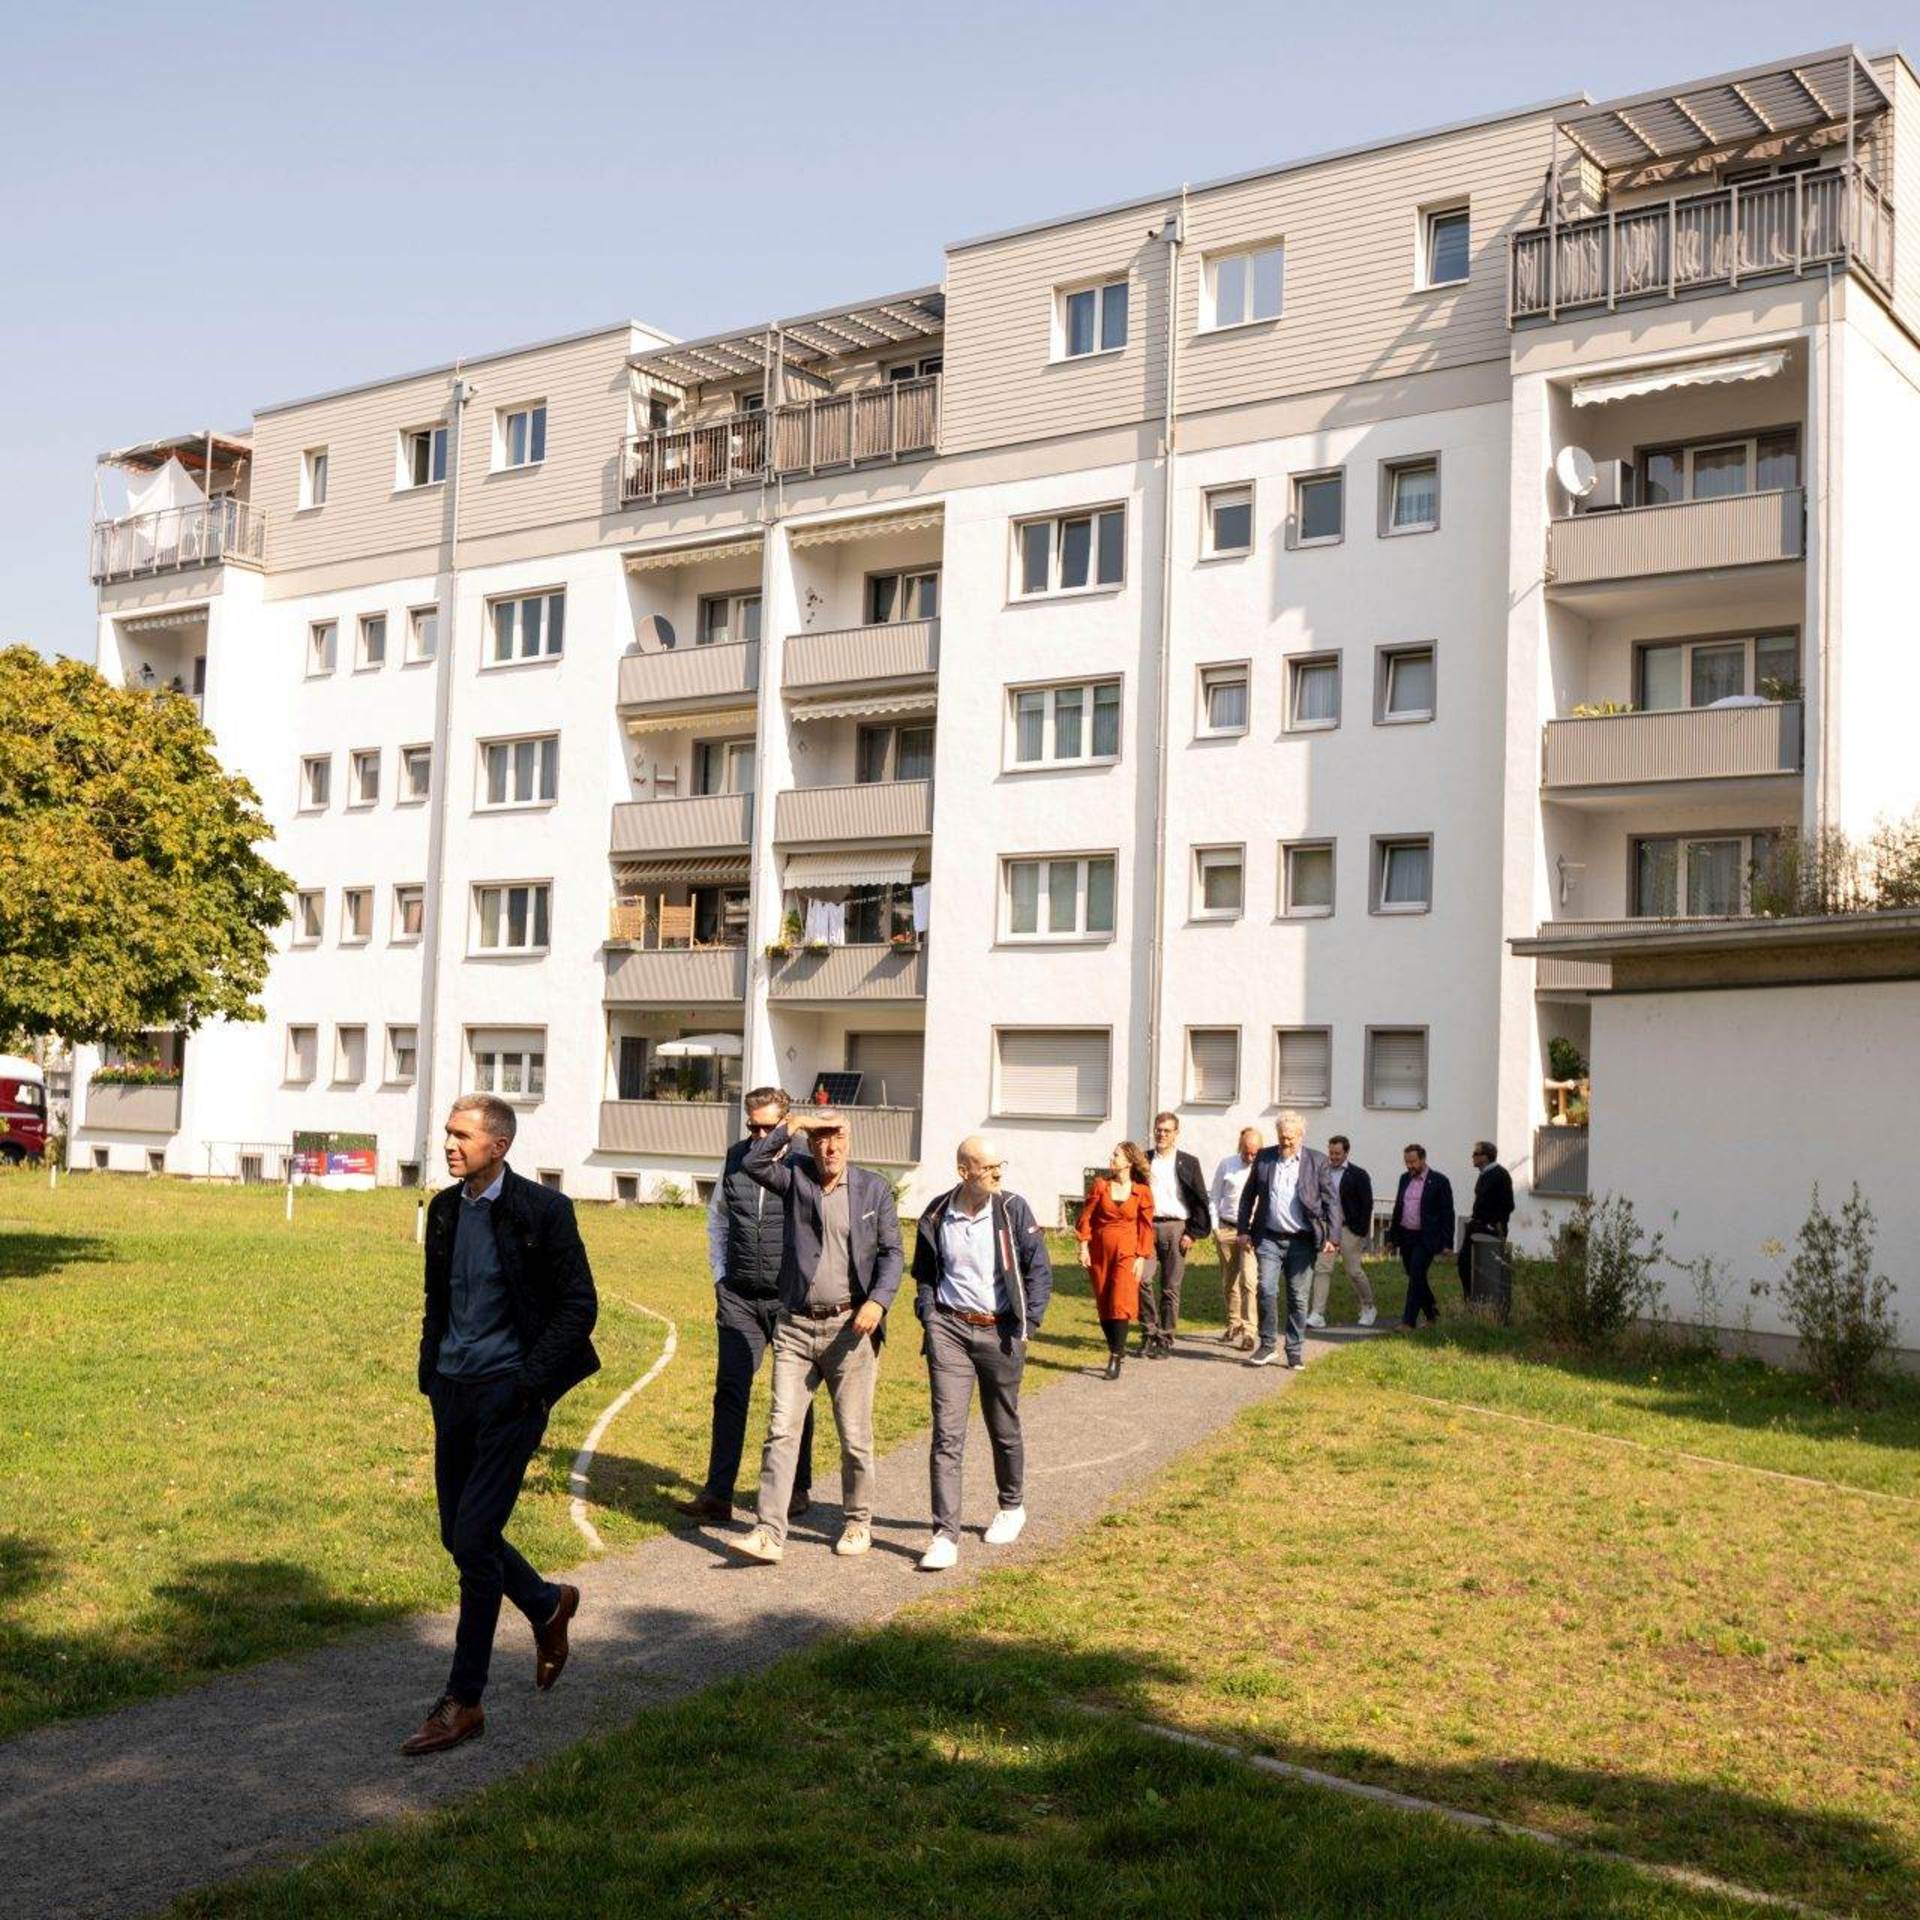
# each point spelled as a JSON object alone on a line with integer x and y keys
{"x": 811, "y": 1312}
{"x": 972, "y": 1319}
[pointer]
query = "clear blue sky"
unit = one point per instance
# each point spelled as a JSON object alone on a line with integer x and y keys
{"x": 208, "y": 208}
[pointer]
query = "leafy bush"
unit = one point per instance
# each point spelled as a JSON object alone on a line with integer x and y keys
{"x": 1600, "y": 1279}
{"x": 1841, "y": 1309}
{"x": 1826, "y": 872}
{"x": 1565, "y": 1061}
{"x": 669, "y": 1193}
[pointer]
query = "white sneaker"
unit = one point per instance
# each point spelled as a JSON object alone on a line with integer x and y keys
{"x": 942, "y": 1552}
{"x": 1366, "y": 1316}
{"x": 1316, "y": 1319}
{"x": 1261, "y": 1357}
{"x": 1004, "y": 1528}
{"x": 856, "y": 1538}
{"x": 760, "y": 1545}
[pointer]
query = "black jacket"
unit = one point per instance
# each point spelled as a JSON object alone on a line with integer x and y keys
{"x": 1356, "y": 1197}
{"x": 545, "y": 1269}
{"x": 1313, "y": 1194}
{"x": 752, "y": 1229}
{"x": 1492, "y": 1202}
{"x": 1436, "y": 1213}
{"x": 1193, "y": 1192}
{"x": 1017, "y": 1242}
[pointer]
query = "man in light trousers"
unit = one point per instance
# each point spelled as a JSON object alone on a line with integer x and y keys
{"x": 1353, "y": 1222}
{"x": 1239, "y": 1290}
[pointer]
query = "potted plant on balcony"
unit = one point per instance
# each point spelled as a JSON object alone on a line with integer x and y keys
{"x": 904, "y": 942}
{"x": 137, "y": 1073}
{"x": 784, "y": 942}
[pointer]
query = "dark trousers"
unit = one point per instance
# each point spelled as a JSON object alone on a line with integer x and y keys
{"x": 959, "y": 1355}
{"x": 1116, "y": 1332}
{"x": 1417, "y": 1258}
{"x": 481, "y": 1448}
{"x": 745, "y": 1328}
{"x": 1160, "y": 1316}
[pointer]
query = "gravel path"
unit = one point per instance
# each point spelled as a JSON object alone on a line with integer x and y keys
{"x": 119, "y": 1815}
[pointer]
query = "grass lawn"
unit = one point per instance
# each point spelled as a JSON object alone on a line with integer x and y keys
{"x": 212, "y": 1450}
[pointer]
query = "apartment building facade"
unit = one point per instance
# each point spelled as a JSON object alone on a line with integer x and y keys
{"x": 1165, "y": 663}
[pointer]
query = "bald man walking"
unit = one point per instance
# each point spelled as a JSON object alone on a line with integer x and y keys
{"x": 981, "y": 1285}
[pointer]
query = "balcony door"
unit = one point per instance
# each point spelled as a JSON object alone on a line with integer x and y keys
{"x": 890, "y": 1066}
{"x": 723, "y": 766}
{"x": 1720, "y": 469}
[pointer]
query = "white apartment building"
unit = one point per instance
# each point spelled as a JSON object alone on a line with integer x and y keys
{"x": 1164, "y": 663}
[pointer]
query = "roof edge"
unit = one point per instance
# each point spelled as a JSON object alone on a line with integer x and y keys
{"x": 1899, "y": 923}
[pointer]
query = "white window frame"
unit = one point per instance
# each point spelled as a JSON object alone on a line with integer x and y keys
{"x": 546, "y": 760}
{"x": 1101, "y": 347}
{"x": 535, "y": 436}
{"x": 405, "y": 796}
{"x": 530, "y": 1062}
{"x": 357, "y": 761}
{"x": 1044, "y": 934}
{"x": 1423, "y": 244}
{"x": 1297, "y": 484}
{"x": 305, "y": 935}
{"x": 1289, "y": 908}
{"x": 435, "y": 437}
{"x": 1206, "y": 859}
{"x": 1050, "y": 690}
{"x": 1290, "y": 1095}
{"x": 506, "y": 889}
{"x": 1210, "y": 320}
{"x": 391, "y": 1074}
{"x": 1298, "y": 663}
{"x": 907, "y": 582}
{"x": 995, "y": 1072}
{"x": 398, "y": 935}
{"x": 322, "y": 660}
{"x": 417, "y": 656}
{"x": 291, "y": 1067}
{"x": 1369, "y": 1092}
{"x": 1690, "y": 644}
{"x": 1058, "y": 523}
{"x": 348, "y": 936}
{"x": 342, "y": 1076}
{"x": 1387, "y": 661}
{"x": 1391, "y": 473}
{"x": 363, "y": 661}
{"x": 308, "y": 763}
{"x": 1745, "y": 837}
{"x": 1211, "y": 499}
{"x": 493, "y": 661}
{"x": 1385, "y": 845}
{"x": 1222, "y": 673}
{"x": 1193, "y": 1097}
{"x": 736, "y": 604}
{"x": 315, "y": 473}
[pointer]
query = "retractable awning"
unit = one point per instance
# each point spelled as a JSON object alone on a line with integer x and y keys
{"x": 678, "y": 719}
{"x": 899, "y": 319}
{"x": 855, "y": 869}
{"x": 693, "y": 553}
{"x": 874, "y": 706}
{"x": 1726, "y": 371}
{"x": 871, "y": 526}
{"x": 713, "y": 870}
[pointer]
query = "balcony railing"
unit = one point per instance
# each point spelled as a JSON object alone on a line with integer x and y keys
{"x": 678, "y": 1129}
{"x": 118, "y": 1108}
{"x": 1560, "y": 1161}
{"x": 1555, "y": 973}
{"x": 673, "y": 976}
{"x": 884, "y": 1136}
{"x": 1744, "y": 530}
{"x": 1701, "y": 243}
{"x": 900, "y": 650}
{"x": 691, "y": 677}
{"x": 880, "y": 810}
{"x": 214, "y": 533}
{"x": 1695, "y": 743}
{"x": 697, "y": 823}
{"x": 877, "y": 972}
{"x": 800, "y": 437}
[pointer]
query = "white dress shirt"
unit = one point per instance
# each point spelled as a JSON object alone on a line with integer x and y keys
{"x": 1165, "y": 1182}
{"x": 1229, "y": 1183}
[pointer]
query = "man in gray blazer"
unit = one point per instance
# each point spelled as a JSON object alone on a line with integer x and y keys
{"x": 1289, "y": 1208}
{"x": 840, "y": 1266}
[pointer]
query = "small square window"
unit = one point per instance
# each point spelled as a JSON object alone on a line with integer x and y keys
{"x": 1219, "y": 882}
{"x": 416, "y": 775}
{"x": 520, "y": 436}
{"x": 1403, "y": 875}
{"x": 356, "y": 916}
{"x": 423, "y": 457}
{"x": 1396, "y": 1067}
{"x": 372, "y": 651}
{"x": 1090, "y": 320}
{"x": 1446, "y": 246}
{"x": 102, "y": 1159}
{"x": 1303, "y": 1066}
{"x": 323, "y": 641}
{"x": 303, "y": 1054}
{"x": 1223, "y": 700}
{"x": 349, "y": 1056}
{"x": 423, "y": 634}
{"x": 1241, "y": 287}
{"x": 366, "y": 779}
{"x": 309, "y": 916}
{"x": 316, "y": 782}
{"x": 1229, "y": 522}
{"x": 1313, "y": 692}
{"x": 313, "y": 478}
{"x": 1410, "y": 496}
{"x": 1213, "y": 1066}
{"x": 1319, "y": 509}
{"x": 409, "y": 912}
{"x": 1404, "y": 686}
{"x": 1306, "y": 879}
{"x": 551, "y": 1177}
{"x": 403, "y": 1056}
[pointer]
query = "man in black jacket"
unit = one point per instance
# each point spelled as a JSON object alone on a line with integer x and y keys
{"x": 746, "y": 1229}
{"x": 1353, "y": 1223}
{"x": 1182, "y": 1214}
{"x": 1492, "y": 1207}
{"x": 1422, "y": 1227}
{"x": 510, "y": 1306}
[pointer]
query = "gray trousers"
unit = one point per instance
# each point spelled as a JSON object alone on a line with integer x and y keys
{"x": 1162, "y": 1315}
{"x": 957, "y": 1356}
{"x": 1352, "y": 1246}
{"x": 806, "y": 1353}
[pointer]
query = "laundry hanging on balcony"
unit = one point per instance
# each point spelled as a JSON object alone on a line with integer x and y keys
{"x": 160, "y": 505}
{"x": 1724, "y": 371}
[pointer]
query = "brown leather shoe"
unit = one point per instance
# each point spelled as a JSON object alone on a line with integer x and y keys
{"x": 446, "y": 1726}
{"x": 550, "y": 1643}
{"x": 705, "y": 1507}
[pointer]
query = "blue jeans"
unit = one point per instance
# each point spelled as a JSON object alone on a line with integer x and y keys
{"x": 1291, "y": 1258}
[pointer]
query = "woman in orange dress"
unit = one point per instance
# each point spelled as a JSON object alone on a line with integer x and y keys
{"x": 1116, "y": 1242}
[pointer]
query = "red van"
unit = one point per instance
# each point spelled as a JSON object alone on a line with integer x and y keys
{"x": 23, "y": 1110}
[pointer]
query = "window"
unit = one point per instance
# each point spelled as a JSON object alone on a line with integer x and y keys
{"x": 1239, "y": 287}
{"x": 1306, "y": 879}
{"x": 519, "y": 773}
{"x": 323, "y": 638}
{"x": 349, "y": 1056}
{"x": 512, "y": 919}
{"x": 1445, "y": 246}
{"x": 1695, "y": 673}
{"x": 309, "y": 916}
{"x": 423, "y": 633}
{"x": 510, "y": 1062}
{"x": 303, "y": 1054}
{"x": 552, "y": 1178}
{"x": 1219, "y": 882}
{"x": 726, "y": 617}
{"x": 520, "y": 436}
{"x": 423, "y": 457}
{"x": 879, "y": 913}
{"x": 313, "y": 478}
{"x": 403, "y": 1055}
{"x": 1410, "y": 495}
{"x": 1396, "y": 1067}
{"x": 1319, "y": 508}
{"x": 1223, "y": 699}
{"x": 893, "y": 753}
{"x": 1313, "y": 692}
{"x": 156, "y": 1160}
{"x": 1090, "y": 320}
{"x": 365, "y": 790}
{"x": 1708, "y": 876}
{"x": 528, "y": 627}
{"x": 1067, "y": 897}
{"x": 1303, "y": 1066}
{"x": 1213, "y": 1066}
{"x": 371, "y": 653}
{"x": 316, "y": 782}
{"x": 356, "y": 916}
{"x": 102, "y": 1159}
{"x": 409, "y": 912}
{"x": 1403, "y": 875}
{"x": 723, "y": 766}
{"x": 1076, "y": 723}
{"x": 916, "y": 369}
{"x": 1720, "y": 469}
{"x": 903, "y": 596}
{"x": 1403, "y": 685}
{"x": 1073, "y": 553}
{"x": 416, "y": 775}
{"x": 1051, "y": 1073}
{"x": 750, "y": 402}
{"x": 1228, "y": 526}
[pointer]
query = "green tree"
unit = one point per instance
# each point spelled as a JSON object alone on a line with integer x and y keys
{"x": 132, "y": 891}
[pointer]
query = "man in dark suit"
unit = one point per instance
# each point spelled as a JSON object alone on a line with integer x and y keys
{"x": 510, "y": 1306}
{"x": 1353, "y": 1223}
{"x": 1288, "y": 1209}
{"x": 1492, "y": 1207}
{"x": 1422, "y": 1227}
{"x": 1182, "y": 1214}
{"x": 840, "y": 1266}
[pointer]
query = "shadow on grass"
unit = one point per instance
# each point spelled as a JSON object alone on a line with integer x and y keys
{"x": 28, "y": 1256}
{"x": 622, "y": 1483}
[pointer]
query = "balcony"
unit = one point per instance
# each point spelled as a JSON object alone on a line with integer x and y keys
{"x": 851, "y": 973}
{"x": 698, "y": 823}
{"x": 116, "y": 1108}
{"x": 1560, "y": 1161}
{"x": 222, "y": 532}
{"x": 1702, "y": 243}
{"x": 690, "y": 679}
{"x": 901, "y": 654}
{"x": 672, "y": 1129}
{"x": 1635, "y": 750}
{"x": 884, "y": 1136}
{"x": 673, "y": 976}
{"x": 880, "y": 810}
{"x": 830, "y": 434}
{"x": 1691, "y": 536}
{"x": 1556, "y": 975}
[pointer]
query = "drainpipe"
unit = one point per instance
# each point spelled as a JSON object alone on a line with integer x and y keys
{"x": 1173, "y": 232}
{"x": 1823, "y": 787}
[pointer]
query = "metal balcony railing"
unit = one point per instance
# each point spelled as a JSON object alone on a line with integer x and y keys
{"x": 691, "y": 676}
{"x": 695, "y": 823}
{"x": 672, "y": 976}
{"x": 879, "y": 810}
{"x": 1560, "y": 1161}
{"x": 1686, "y": 536}
{"x": 898, "y": 650}
{"x": 223, "y": 532}
{"x": 1690, "y": 743}
{"x": 881, "y": 971}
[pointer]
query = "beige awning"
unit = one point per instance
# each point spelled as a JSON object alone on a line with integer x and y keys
{"x": 711, "y": 870}
{"x": 829, "y": 533}
{"x": 858, "y": 868}
{"x": 1727, "y": 370}
{"x": 874, "y": 706}
{"x": 693, "y": 553}
{"x": 163, "y": 622}
{"x": 678, "y": 720}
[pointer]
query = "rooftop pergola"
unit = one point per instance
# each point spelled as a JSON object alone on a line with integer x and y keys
{"x": 214, "y": 458}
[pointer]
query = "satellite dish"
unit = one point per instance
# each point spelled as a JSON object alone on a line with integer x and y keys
{"x": 1573, "y": 467}
{"x": 654, "y": 634}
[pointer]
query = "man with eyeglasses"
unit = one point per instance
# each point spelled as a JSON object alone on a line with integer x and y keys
{"x": 745, "y": 1232}
{"x": 981, "y": 1285}
{"x": 1182, "y": 1215}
